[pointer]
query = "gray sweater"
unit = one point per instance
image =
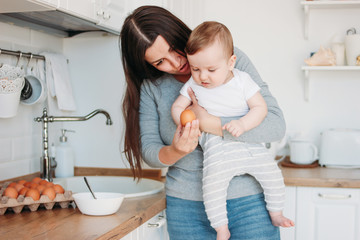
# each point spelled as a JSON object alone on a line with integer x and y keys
{"x": 184, "y": 178}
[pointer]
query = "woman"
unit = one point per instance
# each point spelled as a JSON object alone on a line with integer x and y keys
{"x": 155, "y": 66}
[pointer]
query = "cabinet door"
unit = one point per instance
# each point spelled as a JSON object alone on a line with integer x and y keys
{"x": 155, "y": 228}
{"x": 289, "y": 212}
{"x": 328, "y": 214}
{"x": 111, "y": 14}
{"x": 84, "y": 9}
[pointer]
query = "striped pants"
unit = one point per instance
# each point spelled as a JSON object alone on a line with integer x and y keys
{"x": 225, "y": 159}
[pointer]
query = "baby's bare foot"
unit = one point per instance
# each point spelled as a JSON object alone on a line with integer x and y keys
{"x": 279, "y": 220}
{"x": 223, "y": 233}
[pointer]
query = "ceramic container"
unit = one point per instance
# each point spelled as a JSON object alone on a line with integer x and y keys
{"x": 106, "y": 203}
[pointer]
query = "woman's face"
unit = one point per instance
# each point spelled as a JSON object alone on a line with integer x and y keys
{"x": 165, "y": 59}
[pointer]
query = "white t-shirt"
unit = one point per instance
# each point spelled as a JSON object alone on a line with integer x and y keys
{"x": 227, "y": 100}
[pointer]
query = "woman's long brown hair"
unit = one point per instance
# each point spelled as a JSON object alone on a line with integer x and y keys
{"x": 139, "y": 31}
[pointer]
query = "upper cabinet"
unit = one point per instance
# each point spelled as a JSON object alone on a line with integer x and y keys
{"x": 111, "y": 13}
{"x": 66, "y": 17}
{"x": 84, "y": 9}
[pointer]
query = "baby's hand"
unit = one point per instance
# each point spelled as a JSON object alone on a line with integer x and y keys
{"x": 235, "y": 127}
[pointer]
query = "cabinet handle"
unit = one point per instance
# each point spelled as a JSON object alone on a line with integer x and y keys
{"x": 158, "y": 224}
{"x": 100, "y": 13}
{"x": 334, "y": 196}
{"x": 106, "y": 16}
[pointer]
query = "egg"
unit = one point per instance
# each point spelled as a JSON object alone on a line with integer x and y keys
{"x": 41, "y": 188}
{"x": 50, "y": 192}
{"x": 18, "y": 186}
{"x": 23, "y": 191}
{"x": 43, "y": 182}
{"x": 13, "y": 184}
{"x": 11, "y": 192}
{"x": 187, "y": 116}
{"x": 36, "y": 180}
{"x": 33, "y": 185}
{"x": 28, "y": 184}
{"x": 49, "y": 184}
{"x": 58, "y": 188}
{"x": 33, "y": 193}
{"x": 22, "y": 182}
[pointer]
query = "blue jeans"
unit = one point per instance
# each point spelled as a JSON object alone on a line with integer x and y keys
{"x": 248, "y": 219}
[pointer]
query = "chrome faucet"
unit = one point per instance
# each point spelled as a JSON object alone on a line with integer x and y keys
{"x": 46, "y": 161}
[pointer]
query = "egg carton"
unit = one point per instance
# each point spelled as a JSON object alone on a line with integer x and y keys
{"x": 22, "y": 202}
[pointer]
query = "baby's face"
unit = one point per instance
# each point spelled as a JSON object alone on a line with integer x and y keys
{"x": 210, "y": 67}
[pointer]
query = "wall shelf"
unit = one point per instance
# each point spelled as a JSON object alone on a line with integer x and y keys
{"x": 308, "y": 69}
{"x": 309, "y": 5}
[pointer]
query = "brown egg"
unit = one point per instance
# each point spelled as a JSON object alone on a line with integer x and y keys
{"x": 49, "y": 184}
{"x": 23, "y": 191}
{"x": 33, "y": 193}
{"x": 28, "y": 184}
{"x": 12, "y": 184}
{"x": 58, "y": 188}
{"x": 18, "y": 186}
{"x": 50, "y": 192}
{"x": 36, "y": 180}
{"x": 33, "y": 185}
{"x": 40, "y": 188}
{"x": 22, "y": 182}
{"x": 11, "y": 192}
{"x": 187, "y": 116}
{"x": 43, "y": 182}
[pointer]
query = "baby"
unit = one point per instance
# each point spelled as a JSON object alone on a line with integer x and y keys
{"x": 225, "y": 91}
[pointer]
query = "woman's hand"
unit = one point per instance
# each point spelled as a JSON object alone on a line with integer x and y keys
{"x": 186, "y": 138}
{"x": 208, "y": 123}
{"x": 184, "y": 142}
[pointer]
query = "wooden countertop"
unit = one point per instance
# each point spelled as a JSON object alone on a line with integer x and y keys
{"x": 71, "y": 224}
{"x": 322, "y": 177}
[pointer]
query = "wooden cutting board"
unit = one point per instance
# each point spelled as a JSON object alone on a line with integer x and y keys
{"x": 287, "y": 163}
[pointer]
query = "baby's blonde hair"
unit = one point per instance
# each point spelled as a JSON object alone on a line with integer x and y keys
{"x": 206, "y": 34}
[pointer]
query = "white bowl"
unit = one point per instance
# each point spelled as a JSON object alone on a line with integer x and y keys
{"x": 106, "y": 203}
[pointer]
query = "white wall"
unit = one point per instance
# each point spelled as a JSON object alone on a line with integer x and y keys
{"x": 269, "y": 32}
{"x": 98, "y": 82}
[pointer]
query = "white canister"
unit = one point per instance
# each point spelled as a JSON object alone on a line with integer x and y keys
{"x": 9, "y": 103}
{"x": 303, "y": 151}
{"x": 352, "y": 48}
{"x": 10, "y": 91}
{"x": 338, "y": 49}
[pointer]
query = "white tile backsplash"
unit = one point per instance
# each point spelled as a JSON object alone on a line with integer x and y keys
{"x": 21, "y": 136}
{"x": 25, "y": 147}
{"x": 5, "y": 149}
{"x": 15, "y": 168}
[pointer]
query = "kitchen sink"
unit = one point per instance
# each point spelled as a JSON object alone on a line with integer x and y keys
{"x": 125, "y": 185}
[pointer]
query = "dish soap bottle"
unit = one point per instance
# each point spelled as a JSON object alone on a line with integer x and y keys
{"x": 64, "y": 157}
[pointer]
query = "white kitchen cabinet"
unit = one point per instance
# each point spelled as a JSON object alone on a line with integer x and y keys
{"x": 106, "y": 13}
{"x": 327, "y": 213}
{"x": 289, "y": 212}
{"x": 155, "y": 228}
{"x": 84, "y": 9}
{"x": 111, "y": 13}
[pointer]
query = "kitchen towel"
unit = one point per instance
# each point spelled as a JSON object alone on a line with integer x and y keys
{"x": 58, "y": 80}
